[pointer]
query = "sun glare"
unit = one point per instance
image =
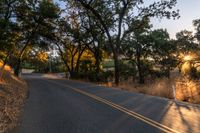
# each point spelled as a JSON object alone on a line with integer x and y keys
{"x": 188, "y": 58}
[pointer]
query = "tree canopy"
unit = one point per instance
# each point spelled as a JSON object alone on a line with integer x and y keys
{"x": 87, "y": 33}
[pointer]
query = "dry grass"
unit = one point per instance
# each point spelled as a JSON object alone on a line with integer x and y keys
{"x": 158, "y": 87}
{"x": 7, "y": 68}
{"x": 186, "y": 90}
{"x": 12, "y": 96}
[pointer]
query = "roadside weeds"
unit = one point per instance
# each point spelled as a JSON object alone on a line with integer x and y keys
{"x": 13, "y": 93}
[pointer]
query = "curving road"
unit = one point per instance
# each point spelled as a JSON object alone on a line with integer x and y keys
{"x": 64, "y": 106}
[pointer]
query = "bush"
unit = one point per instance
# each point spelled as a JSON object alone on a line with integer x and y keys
{"x": 101, "y": 77}
{"x": 158, "y": 74}
{"x": 92, "y": 76}
{"x": 194, "y": 73}
{"x": 127, "y": 69}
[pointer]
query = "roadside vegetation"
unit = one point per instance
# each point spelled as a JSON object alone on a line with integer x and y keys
{"x": 107, "y": 42}
{"x": 13, "y": 92}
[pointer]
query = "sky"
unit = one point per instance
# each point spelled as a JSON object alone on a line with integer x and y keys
{"x": 189, "y": 10}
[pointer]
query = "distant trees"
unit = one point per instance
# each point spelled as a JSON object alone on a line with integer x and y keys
{"x": 150, "y": 50}
{"x": 116, "y": 19}
{"x": 163, "y": 51}
{"x": 196, "y": 24}
{"x": 93, "y": 25}
{"x": 88, "y": 31}
{"x": 68, "y": 39}
{"x": 155, "y": 54}
{"x": 135, "y": 46}
{"x": 24, "y": 25}
{"x": 34, "y": 21}
{"x": 187, "y": 44}
{"x": 36, "y": 59}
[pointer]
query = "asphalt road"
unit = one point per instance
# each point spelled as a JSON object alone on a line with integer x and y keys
{"x": 64, "y": 106}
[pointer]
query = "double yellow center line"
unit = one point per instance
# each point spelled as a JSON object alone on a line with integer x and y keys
{"x": 122, "y": 109}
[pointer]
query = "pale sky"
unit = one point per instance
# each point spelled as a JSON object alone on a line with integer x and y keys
{"x": 189, "y": 10}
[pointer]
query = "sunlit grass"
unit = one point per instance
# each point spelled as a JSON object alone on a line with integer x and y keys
{"x": 12, "y": 97}
{"x": 7, "y": 68}
{"x": 157, "y": 87}
{"x": 188, "y": 90}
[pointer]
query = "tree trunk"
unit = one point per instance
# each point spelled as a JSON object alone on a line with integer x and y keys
{"x": 77, "y": 64}
{"x": 17, "y": 68}
{"x": 97, "y": 60}
{"x": 139, "y": 66}
{"x": 97, "y": 65}
{"x": 141, "y": 77}
{"x": 63, "y": 59}
{"x": 72, "y": 74}
{"x": 19, "y": 60}
{"x": 116, "y": 61}
{"x": 78, "y": 60}
{"x": 72, "y": 63}
{"x": 168, "y": 72}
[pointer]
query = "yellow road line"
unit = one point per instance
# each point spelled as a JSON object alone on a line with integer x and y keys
{"x": 122, "y": 109}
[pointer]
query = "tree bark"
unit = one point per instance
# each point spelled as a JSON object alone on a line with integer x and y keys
{"x": 78, "y": 60}
{"x": 139, "y": 66}
{"x": 18, "y": 65}
{"x": 141, "y": 77}
{"x": 168, "y": 72}
{"x": 117, "y": 75}
{"x": 114, "y": 49}
{"x": 17, "y": 69}
{"x": 63, "y": 59}
{"x": 97, "y": 62}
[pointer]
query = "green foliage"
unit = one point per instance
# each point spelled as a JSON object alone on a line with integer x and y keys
{"x": 163, "y": 51}
{"x": 88, "y": 29}
{"x": 48, "y": 9}
{"x": 127, "y": 69}
{"x": 114, "y": 15}
{"x": 7, "y": 25}
{"x": 196, "y": 24}
{"x": 185, "y": 42}
{"x": 95, "y": 77}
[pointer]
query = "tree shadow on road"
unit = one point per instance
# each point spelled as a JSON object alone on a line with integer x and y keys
{"x": 182, "y": 117}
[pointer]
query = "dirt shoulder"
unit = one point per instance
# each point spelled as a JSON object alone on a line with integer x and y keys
{"x": 13, "y": 93}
